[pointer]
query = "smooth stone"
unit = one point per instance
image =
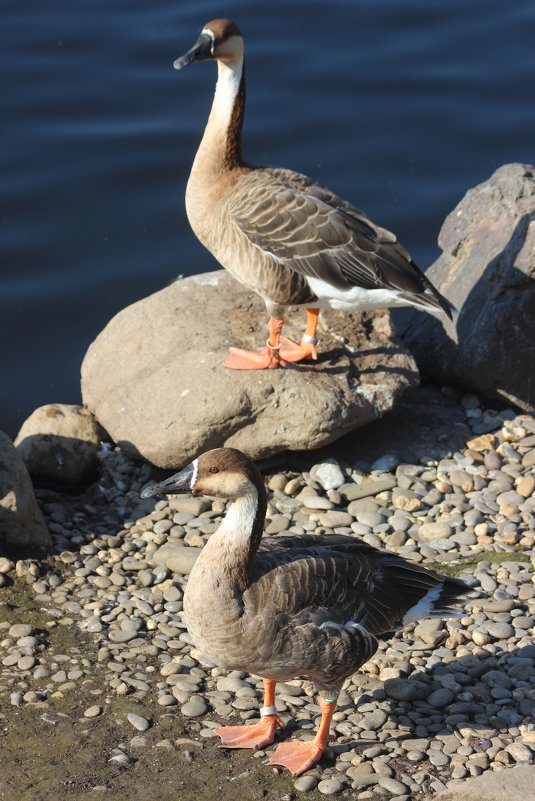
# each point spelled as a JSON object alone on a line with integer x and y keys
{"x": 6, "y": 565}
{"x": 430, "y": 631}
{"x": 329, "y": 474}
{"x": 305, "y": 783}
{"x": 26, "y": 662}
{"x": 500, "y": 631}
{"x": 526, "y": 486}
{"x": 386, "y": 463}
{"x": 357, "y": 772}
{"x": 277, "y": 524}
{"x": 374, "y": 720}
{"x": 438, "y": 759}
{"x": 440, "y": 698}
{"x": 317, "y": 502}
{"x": 130, "y": 563}
{"x": 520, "y": 752}
{"x": 195, "y": 707}
{"x": 162, "y": 526}
{"x": 393, "y": 786}
{"x": 138, "y": 721}
{"x": 19, "y": 630}
{"x": 369, "y": 486}
{"x": 176, "y": 557}
{"x": 93, "y": 712}
{"x": 405, "y": 690}
{"x": 335, "y": 519}
{"x": 330, "y": 786}
{"x": 120, "y": 635}
{"x": 191, "y": 505}
{"x": 433, "y": 531}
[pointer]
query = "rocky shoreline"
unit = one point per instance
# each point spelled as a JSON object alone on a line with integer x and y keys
{"x": 439, "y": 703}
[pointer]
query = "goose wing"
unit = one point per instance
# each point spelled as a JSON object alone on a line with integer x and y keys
{"x": 339, "y": 579}
{"x": 317, "y": 605}
{"x": 309, "y": 229}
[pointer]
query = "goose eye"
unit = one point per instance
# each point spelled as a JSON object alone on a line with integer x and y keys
{"x": 214, "y": 470}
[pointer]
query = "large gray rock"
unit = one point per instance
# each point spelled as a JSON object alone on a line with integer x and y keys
{"x": 59, "y": 442}
{"x": 155, "y": 380}
{"x": 487, "y": 270}
{"x": 513, "y": 784}
{"x": 21, "y": 521}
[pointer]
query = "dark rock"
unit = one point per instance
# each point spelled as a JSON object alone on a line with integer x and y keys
{"x": 21, "y": 521}
{"x": 59, "y": 443}
{"x": 487, "y": 272}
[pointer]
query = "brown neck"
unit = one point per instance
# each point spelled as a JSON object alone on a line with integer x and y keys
{"x": 233, "y": 546}
{"x": 232, "y": 157}
{"x": 220, "y": 149}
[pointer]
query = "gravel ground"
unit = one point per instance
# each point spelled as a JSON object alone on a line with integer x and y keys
{"x": 102, "y": 630}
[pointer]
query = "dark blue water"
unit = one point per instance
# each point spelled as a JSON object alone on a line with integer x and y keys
{"x": 398, "y": 106}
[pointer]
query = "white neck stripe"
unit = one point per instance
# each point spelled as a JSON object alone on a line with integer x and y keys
{"x": 209, "y": 33}
{"x": 195, "y": 465}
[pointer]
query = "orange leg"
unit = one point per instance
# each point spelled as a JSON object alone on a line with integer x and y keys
{"x": 268, "y": 357}
{"x": 291, "y": 352}
{"x": 258, "y": 735}
{"x": 299, "y": 756}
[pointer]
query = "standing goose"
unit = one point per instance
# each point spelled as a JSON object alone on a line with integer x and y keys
{"x": 281, "y": 234}
{"x": 289, "y": 606}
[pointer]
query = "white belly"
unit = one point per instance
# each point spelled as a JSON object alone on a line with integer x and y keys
{"x": 356, "y": 298}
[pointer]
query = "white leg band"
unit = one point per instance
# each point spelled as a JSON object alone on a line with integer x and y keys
{"x": 309, "y": 339}
{"x": 268, "y": 710}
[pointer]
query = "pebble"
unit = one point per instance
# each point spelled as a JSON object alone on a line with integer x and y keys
{"x": 330, "y": 786}
{"x": 374, "y": 720}
{"x": 93, "y": 712}
{"x": 393, "y": 786}
{"x": 328, "y": 474}
{"x": 138, "y": 721}
{"x": 500, "y": 631}
{"x": 386, "y": 463}
{"x": 19, "y": 630}
{"x": 520, "y": 752}
{"x": 196, "y": 707}
{"x": 305, "y": 783}
{"x": 26, "y": 662}
{"x": 440, "y": 698}
{"x": 6, "y": 565}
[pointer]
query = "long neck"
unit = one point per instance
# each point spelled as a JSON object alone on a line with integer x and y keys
{"x": 220, "y": 148}
{"x": 236, "y": 541}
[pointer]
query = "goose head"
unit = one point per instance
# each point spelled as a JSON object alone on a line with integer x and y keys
{"x": 220, "y": 473}
{"x": 219, "y": 40}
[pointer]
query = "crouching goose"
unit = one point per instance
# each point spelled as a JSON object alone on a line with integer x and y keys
{"x": 292, "y": 606}
{"x": 281, "y": 234}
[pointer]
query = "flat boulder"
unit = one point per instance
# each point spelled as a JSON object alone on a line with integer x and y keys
{"x": 59, "y": 443}
{"x": 511, "y": 784}
{"x": 154, "y": 377}
{"x": 21, "y": 521}
{"x": 487, "y": 270}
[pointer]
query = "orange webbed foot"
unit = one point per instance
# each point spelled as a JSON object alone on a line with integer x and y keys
{"x": 255, "y": 736}
{"x": 292, "y": 352}
{"x": 248, "y": 360}
{"x": 298, "y": 756}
